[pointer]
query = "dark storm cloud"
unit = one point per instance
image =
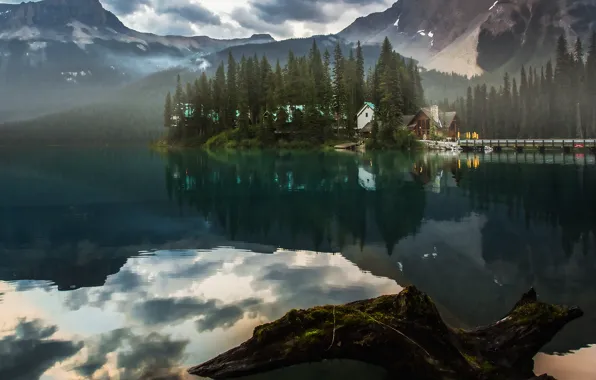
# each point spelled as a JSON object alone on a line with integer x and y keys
{"x": 279, "y": 11}
{"x": 193, "y": 12}
{"x": 209, "y": 314}
{"x": 152, "y": 356}
{"x": 98, "y": 352}
{"x": 170, "y": 310}
{"x": 186, "y": 9}
{"x": 125, "y": 7}
{"x": 226, "y": 316}
{"x": 29, "y": 351}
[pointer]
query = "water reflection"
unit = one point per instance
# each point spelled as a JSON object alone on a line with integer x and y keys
{"x": 162, "y": 313}
{"x": 126, "y": 275}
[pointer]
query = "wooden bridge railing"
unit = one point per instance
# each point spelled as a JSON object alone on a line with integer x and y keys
{"x": 554, "y": 143}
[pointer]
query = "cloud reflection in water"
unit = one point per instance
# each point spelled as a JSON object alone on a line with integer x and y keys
{"x": 156, "y": 317}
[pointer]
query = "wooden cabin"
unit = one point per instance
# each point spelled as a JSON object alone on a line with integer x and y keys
{"x": 446, "y": 123}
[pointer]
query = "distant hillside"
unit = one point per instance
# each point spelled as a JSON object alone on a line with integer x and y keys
{"x": 132, "y": 113}
{"x": 278, "y": 50}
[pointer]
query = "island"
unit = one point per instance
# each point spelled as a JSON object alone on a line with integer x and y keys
{"x": 404, "y": 334}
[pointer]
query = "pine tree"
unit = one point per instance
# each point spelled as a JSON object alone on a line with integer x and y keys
{"x": 563, "y": 78}
{"x": 219, "y": 96}
{"x": 591, "y": 84}
{"x": 360, "y": 92}
{"x": 492, "y": 110}
{"x": 207, "y": 112}
{"x": 550, "y": 95}
{"x": 504, "y": 115}
{"x": 179, "y": 107}
{"x": 265, "y": 82}
{"x": 469, "y": 127}
{"x": 243, "y": 98}
{"x": 232, "y": 92}
{"x": 579, "y": 83}
{"x": 515, "y": 110}
{"x": 326, "y": 86}
{"x": 168, "y": 111}
{"x": 351, "y": 84}
{"x": 524, "y": 109}
{"x": 339, "y": 92}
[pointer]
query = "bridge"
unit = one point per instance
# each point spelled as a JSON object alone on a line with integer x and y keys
{"x": 566, "y": 145}
{"x": 558, "y": 158}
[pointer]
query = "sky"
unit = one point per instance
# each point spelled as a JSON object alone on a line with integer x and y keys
{"x": 242, "y": 18}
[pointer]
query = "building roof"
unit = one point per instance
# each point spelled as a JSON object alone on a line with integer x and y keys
{"x": 365, "y": 106}
{"x": 406, "y": 119}
{"x": 445, "y": 118}
{"x": 448, "y": 118}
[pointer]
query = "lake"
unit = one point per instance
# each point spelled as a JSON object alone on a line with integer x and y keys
{"x": 128, "y": 264}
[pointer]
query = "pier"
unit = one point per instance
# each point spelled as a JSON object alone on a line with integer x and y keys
{"x": 565, "y": 145}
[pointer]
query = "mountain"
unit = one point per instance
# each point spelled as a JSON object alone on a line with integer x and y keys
{"x": 74, "y": 47}
{"x": 80, "y": 41}
{"x": 475, "y": 36}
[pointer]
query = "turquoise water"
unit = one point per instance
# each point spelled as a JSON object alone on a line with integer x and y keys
{"x": 125, "y": 264}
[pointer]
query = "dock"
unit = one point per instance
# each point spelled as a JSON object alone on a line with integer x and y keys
{"x": 566, "y": 145}
{"x": 348, "y": 146}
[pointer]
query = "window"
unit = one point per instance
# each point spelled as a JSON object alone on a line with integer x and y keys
{"x": 366, "y": 115}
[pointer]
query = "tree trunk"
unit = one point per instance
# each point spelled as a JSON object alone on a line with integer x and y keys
{"x": 402, "y": 333}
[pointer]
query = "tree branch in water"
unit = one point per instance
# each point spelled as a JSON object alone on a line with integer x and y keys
{"x": 402, "y": 333}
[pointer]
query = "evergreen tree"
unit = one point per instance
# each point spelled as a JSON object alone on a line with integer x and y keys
{"x": 219, "y": 97}
{"x": 243, "y": 98}
{"x": 470, "y": 110}
{"x": 232, "y": 92}
{"x": 179, "y": 107}
{"x": 360, "y": 88}
{"x": 591, "y": 85}
{"x": 563, "y": 79}
{"x": 326, "y": 86}
{"x": 168, "y": 111}
{"x": 515, "y": 110}
{"x": 339, "y": 92}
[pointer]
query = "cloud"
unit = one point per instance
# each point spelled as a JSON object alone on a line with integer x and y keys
{"x": 28, "y": 352}
{"x": 194, "y": 13}
{"x": 186, "y": 9}
{"x": 226, "y": 316}
{"x": 170, "y": 310}
{"x": 98, "y": 352}
{"x": 152, "y": 356}
{"x": 125, "y": 7}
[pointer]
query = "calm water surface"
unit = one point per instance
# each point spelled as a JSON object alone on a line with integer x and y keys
{"x": 125, "y": 264}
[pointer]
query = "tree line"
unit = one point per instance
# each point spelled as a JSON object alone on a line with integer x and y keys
{"x": 553, "y": 101}
{"x": 313, "y": 97}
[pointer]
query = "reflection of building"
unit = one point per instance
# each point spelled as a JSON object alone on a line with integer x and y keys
{"x": 366, "y": 178}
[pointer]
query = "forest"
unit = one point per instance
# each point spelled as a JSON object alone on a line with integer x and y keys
{"x": 553, "y": 101}
{"x": 313, "y": 99}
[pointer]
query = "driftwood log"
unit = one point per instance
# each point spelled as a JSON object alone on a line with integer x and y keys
{"x": 402, "y": 333}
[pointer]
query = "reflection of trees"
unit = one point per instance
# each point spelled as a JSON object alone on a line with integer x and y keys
{"x": 541, "y": 232}
{"x": 557, "y": 195}
{"x": 299, "y": 200}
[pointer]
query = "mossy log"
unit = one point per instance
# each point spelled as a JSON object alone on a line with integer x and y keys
{"x": 402, "y": 333}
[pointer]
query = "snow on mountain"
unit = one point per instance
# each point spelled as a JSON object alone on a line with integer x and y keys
{"x": 40, "y": 40}
{"x": 474, "y": 36}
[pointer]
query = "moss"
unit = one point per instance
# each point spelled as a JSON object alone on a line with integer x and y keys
{"x": 479, "y": 364}
{"x": 536, "y": 311}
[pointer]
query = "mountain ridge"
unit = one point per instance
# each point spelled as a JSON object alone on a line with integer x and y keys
{"x": 474, "y": 37}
